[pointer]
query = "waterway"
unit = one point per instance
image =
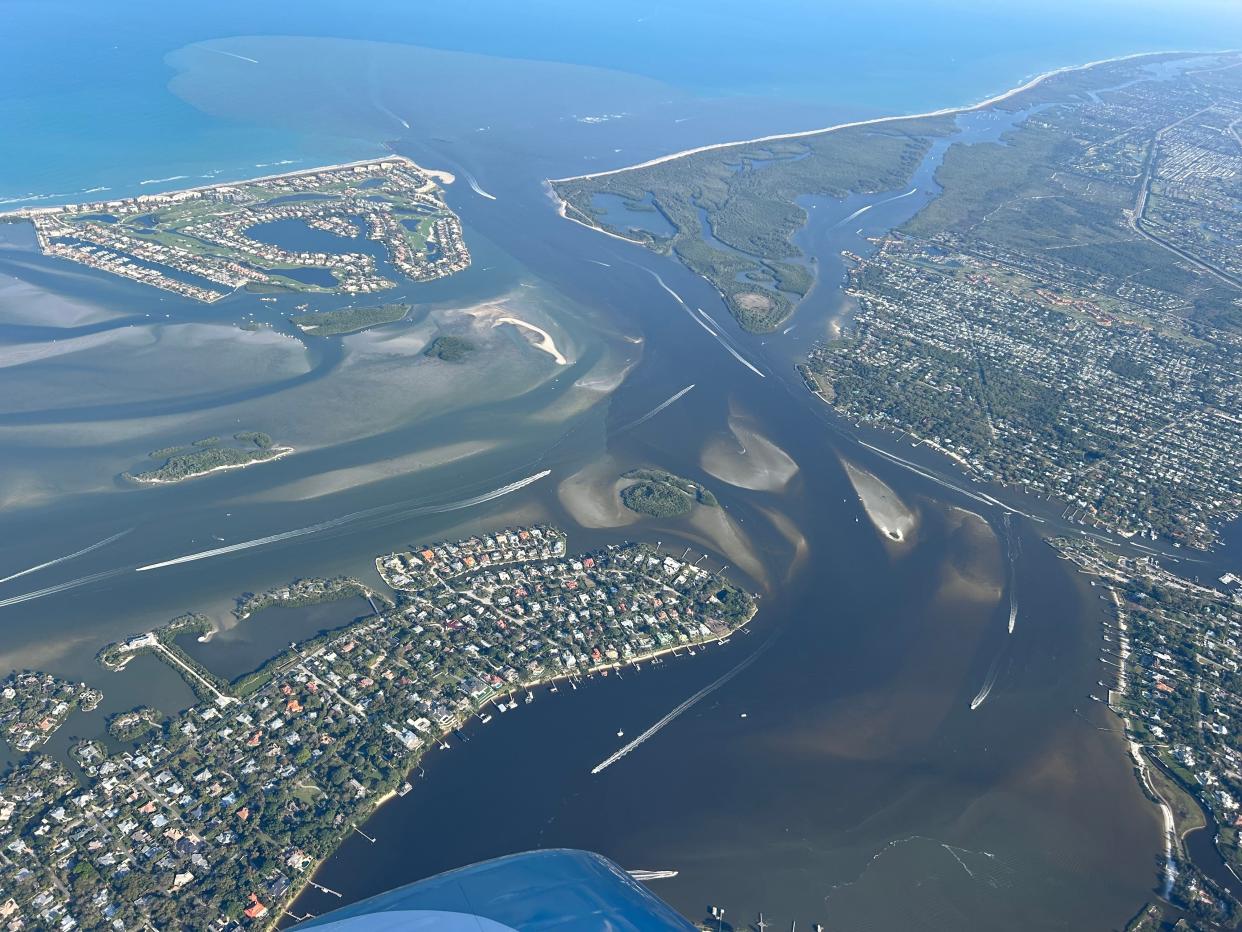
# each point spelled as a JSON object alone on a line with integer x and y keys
{"x": 851, "y": 774}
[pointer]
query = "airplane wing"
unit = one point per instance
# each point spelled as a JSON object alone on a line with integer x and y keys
{"x": 561, "y": 889}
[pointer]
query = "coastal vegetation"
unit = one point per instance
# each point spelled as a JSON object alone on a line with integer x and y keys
{"x": 349, "y": 320}
{"x": 132, "y": 725}
{"x": 33, "y": 706}
{"x": 210, "y": 455}
{"x": 449, "y": 348}
{"x": 301, "y": 592}
{"x": 734, "y": 210}
{"x": 662, "y": 494}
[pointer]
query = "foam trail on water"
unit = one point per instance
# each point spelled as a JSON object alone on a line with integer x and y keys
{"x": 685, "y": 706}
{"x": 344, "y": 519}
{"x": 685, "y": 307}
{"x": 728, "y": 344}
{"x": 863, "y": 210}
{"x": 61, "y": 587}
{"x": 474, "y": 186}
{"x": 652, "y": 413}
{"x": 986, "y": 689}
{"x": 389, "y": 113}
{"x": 1012, "y": 549}
{"x": 253, "y": 61}
{"x": 68, "y": 556}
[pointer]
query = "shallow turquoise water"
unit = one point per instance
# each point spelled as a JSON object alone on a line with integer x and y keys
{"x": 85, "y": 104}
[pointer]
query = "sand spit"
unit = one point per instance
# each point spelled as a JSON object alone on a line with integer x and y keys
{"x": 974, "y": 567}
{"x": 797, "y": 540}
{"x": 722, "y": 534}
{"x": 592, "y": 496}
{"x": 748, "y": 460}
{"x": 890, "y": 515}
{"x": 875, "y": 121}
{"x": 543, "y": 339}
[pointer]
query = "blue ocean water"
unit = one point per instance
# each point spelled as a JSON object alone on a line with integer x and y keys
{"x": 84, "y": 99}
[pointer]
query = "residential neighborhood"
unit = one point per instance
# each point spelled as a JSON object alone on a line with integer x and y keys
{"x": 204, "y": 243}
{"x": 216, "y": 818}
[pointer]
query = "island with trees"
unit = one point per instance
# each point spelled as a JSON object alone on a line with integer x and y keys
{"x": 209, "y": 455}
{"x": 348, "y": 320}
{"x": 660, "y": 494}
{"x": 448, "y": 348}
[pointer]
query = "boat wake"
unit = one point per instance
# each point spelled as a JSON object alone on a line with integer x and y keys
{"x": 61, "y": 587}
{"x": 716, "y": 336}
{"x": 253, "y": 61}
{"x": 346, "y": 519}
{"x": 650, "y": 414}
{"x": 986, "y": 689}
{"x": 474, "y": 186}
{"x": 387, "y": 512}
{"x": 66, "y": 557}
{"x": 864, "y": 209}
{"x": 1013, "y": 548}
{"x": 684, "y": 707}
{"x": 976, "y": 496}
{"x": 389, "y": 113}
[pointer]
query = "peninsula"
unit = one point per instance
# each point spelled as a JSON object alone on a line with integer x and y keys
{"x": 218, "y": 817}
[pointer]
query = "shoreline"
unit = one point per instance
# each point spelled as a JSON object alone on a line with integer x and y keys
{"x": 307, "y": 880}
{"x": 944, "y": 111}
{"x": 24, "y": 213}
{"x": 280, "y": 453}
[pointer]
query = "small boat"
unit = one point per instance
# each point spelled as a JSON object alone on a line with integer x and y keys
{"x": 444, "y": 746}
{"x": 485, "y": 719}
{"x": 620, "y": 733}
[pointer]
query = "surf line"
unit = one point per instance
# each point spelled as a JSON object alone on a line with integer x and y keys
{"x": 474, "y": 186}
{"x": 67, "y": 557}
{"x": 684, "y": 707}
{"x": 337, "y": 522}
{"x": 650, "y": 414}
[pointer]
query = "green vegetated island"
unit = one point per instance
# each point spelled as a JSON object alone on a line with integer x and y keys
{"x": 348, "y": 320}
{"x": 209, "y": 455}
{"x": 206, "y": 242}
{"x": 218, "y": 816}
{"x": 661, "y": 494}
